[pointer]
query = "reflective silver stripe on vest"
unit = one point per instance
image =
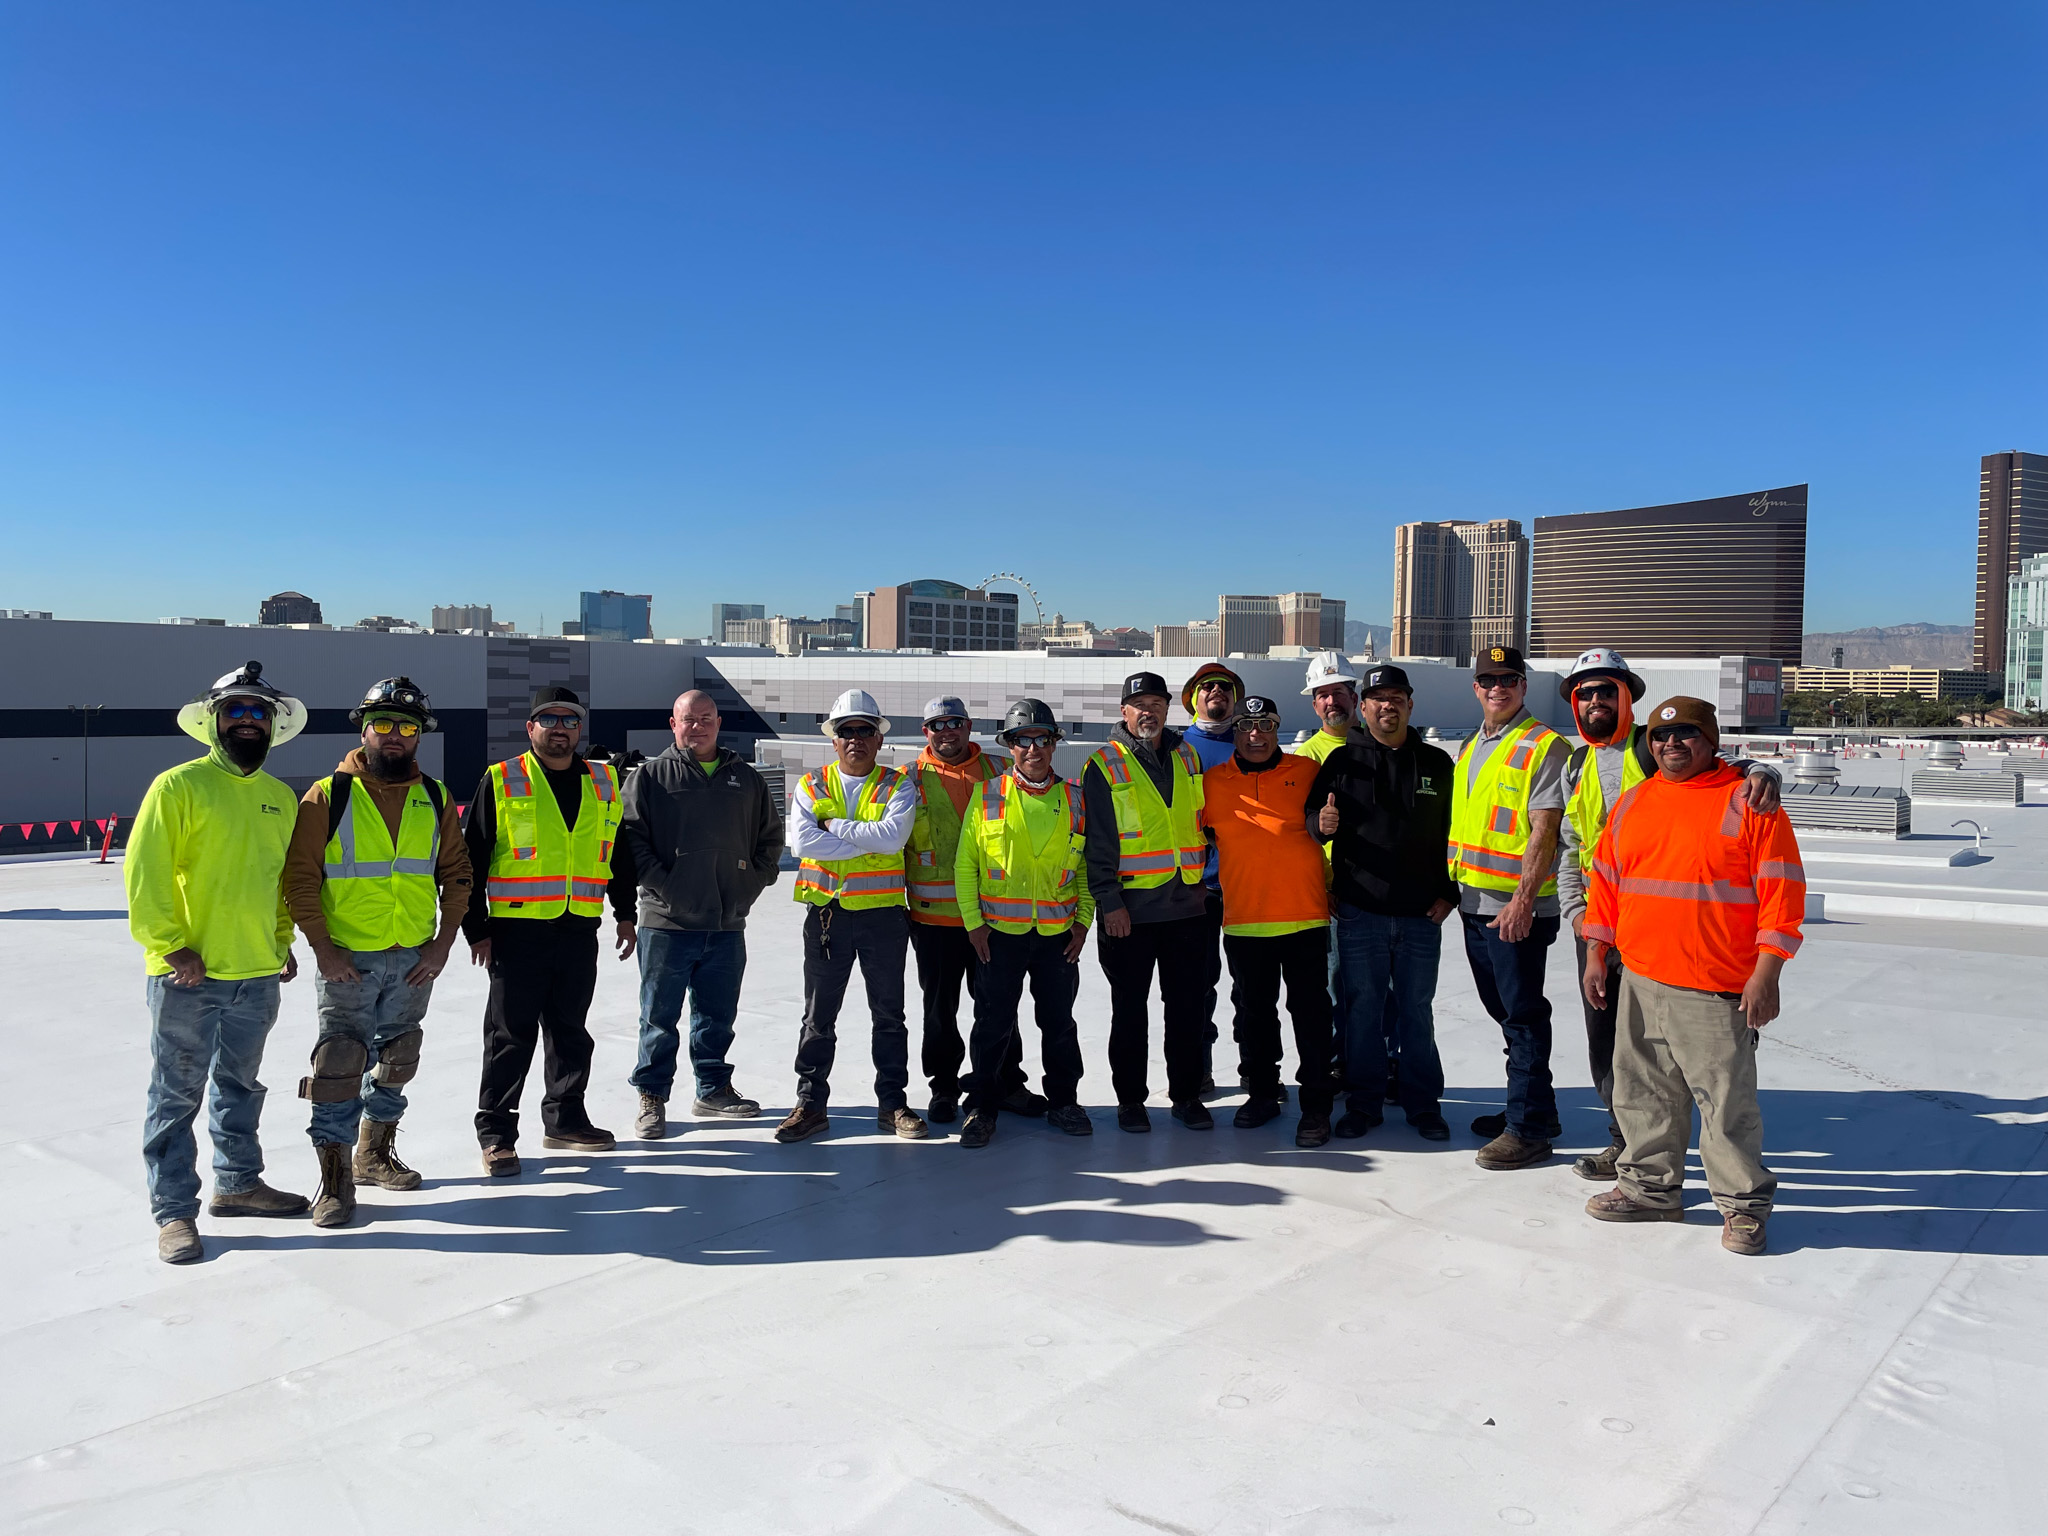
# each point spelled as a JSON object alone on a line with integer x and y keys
{"x": 352, "y": 868}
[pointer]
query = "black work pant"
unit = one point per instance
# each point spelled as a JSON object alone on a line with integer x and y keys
{"x": 1258, "y": 965}
{"x": 878, "y": 937}
{"x": 1180, "y": 950}
{"x": 1212, "y": 916}
{"x": 1600, "y": 1035}
{"x": 944, "y": 960}
{"x": 1054, "y": 984}
{"x": 542, "y": 978}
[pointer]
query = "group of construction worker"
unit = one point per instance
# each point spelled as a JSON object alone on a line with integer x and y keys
{"x": 1324, "y": 873}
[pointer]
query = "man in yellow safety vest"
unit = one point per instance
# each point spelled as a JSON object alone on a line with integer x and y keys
{"x": 1025, "y": 905}
{"x": 378, "y": 880}
{"x": 948, "y": 773}
{"x": 543, "y": 832}
{"x": 1506, "y": 803}
{"x": 848, "y": 822}
{"x": 1143, "y": 796}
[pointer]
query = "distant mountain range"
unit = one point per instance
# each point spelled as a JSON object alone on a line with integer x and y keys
{"x": 1357, "y": 632}
{"x": 1908, "y": 645}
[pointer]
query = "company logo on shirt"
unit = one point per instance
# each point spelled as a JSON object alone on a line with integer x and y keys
{"x": 1426, "y": 787}
{"x": 271, "y": 810}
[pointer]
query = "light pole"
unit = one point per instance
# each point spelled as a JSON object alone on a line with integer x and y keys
{"x": 85, "y": 713}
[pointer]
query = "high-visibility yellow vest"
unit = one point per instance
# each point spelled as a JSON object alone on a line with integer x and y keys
{"x": 935, "y": 839}
{"x": 1017, "y": 887}
{"x": 380, "y": 895}
{"x": 873, "y": 879}
{"x": 1154, "y": 839}
{"x": 1588, "y": 808}
{"x": 540, "y": 866}
{"x": 1490, "y": 812}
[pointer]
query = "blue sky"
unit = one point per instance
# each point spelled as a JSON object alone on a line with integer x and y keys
{"x": 411, "y": 304}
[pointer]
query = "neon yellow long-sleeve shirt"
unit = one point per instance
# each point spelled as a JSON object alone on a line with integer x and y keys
{"x": 204, "y": 869}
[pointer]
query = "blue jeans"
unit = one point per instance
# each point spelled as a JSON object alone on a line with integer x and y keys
{"x": 376, "y": 1010}
{"x": 1510, "y": 982}
{"x": 1389, "y": 967}
{"x": 707, "y": 966}
{"x": 215, "y": 1030}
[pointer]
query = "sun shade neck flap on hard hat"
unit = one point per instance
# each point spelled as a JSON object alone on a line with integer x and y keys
{"x": 198, "y": 721}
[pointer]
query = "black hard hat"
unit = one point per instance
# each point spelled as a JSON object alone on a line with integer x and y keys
{"x": 1028, "y": 715}
{"x": 394, "y": 696}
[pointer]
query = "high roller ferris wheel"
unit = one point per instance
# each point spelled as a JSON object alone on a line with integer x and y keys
{"x": 1037, "y": 608}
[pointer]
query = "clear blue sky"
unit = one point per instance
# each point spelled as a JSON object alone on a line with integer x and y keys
{"x": 404, "y": 304}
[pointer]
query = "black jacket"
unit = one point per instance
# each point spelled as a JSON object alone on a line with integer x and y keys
{"x": 705, "y": 845}
{"x": 480, "y": 832}
{"x": 1393, "y": 824}
{"x": 1103, "y": 850}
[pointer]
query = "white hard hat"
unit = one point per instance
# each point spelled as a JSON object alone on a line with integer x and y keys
{"x": 1325, "y": 668}
{"x": 1603, "y": 660}
{"x": 855, "y": 704}
{"x": 288, "y": 716}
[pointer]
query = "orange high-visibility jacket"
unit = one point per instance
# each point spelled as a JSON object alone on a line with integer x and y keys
{"x": 1688, "y": 882}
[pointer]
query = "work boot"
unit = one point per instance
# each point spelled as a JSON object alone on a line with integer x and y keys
{"x": 1508, "y": 1150}
{"x": 1022, "y": 1101}
{"x": 903, "y": 1122}
{"x": 581, "y": 1138}
{"x": 980, "y": 1126}
{"x": 376, "y": 1160}
{"x": 1314, "y": 1131}
{"x": 1490, "y": 1126}
{"x": 724, "y": 1105}
{"x": 1253, "y": 1113}
{"x": 1194, "y": 1114}
{"x": 651, "y": 1124}
{"x": 1431, "y": 1126}
{"x": 1134, "y": 1118}
{"x": 1742, "y": 1234}
{"x": 177, "y": 1242}
{"x": 1245, "y": 1086}
{"x": 1072, "y": 1119}
{"x": 259, "y": 1199}
{"x": 1597, "y": 1166}
{"x": 501, "y": 1162}
{"x": 1357, "y": 1122}
{"x": 803, "y": 1122}
{"x": 944, "y": 1109}
{"x": 335, "y": 1205}
{"x": 1618, "y": 1205}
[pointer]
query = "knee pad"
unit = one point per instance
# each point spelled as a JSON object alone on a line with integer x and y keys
{"x": 338, "y": 1063}
{"x": 398, "y": 1059}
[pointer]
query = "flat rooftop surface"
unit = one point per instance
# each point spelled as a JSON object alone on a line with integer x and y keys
{"x": 1182, "y": 1332}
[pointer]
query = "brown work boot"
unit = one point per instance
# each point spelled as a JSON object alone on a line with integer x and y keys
{"x": 651, "y": 1124}
{"x": 1507, "y": 1150}
{"x": 501, "y": 1162}
{"x": 803, "y": 1121}
{"x": 1598, "y": 1167}
{"x": 376, "y": 1160}
{"x": 177, "y": 1242}
{"x": 259, "y": 1199}
{"x": 1741, "y": 1233}
{"x": 335, "y": 1205}
{"x": 904, "y": 1122}
{"x": 1617, "y": 1205}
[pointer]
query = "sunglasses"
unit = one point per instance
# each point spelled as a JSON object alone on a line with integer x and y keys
{"x": 856, "y": 733}
{"x": 950, "y": 723}
{"x": 1594, "y": 692}
{"x": 247, "y": 711}
{"x": 1493, "y": 680}
{"x": 556, "y": 722}
{"x": 1677, "y": 733}
{"x": 1037, "y": 743}
{"x": 385, "y": 727}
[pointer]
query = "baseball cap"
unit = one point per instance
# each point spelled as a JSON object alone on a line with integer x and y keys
{"x": 556, "y": 700}
{"x": 1142, "y": 683}
{"x": 1388, "y": 677}
{"x": 1256, "y": 709}
{"x": 946, "y": 707}
{"x": 1498, "y": 658}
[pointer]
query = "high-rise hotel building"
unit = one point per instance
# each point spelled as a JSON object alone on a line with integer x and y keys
{"x": 2012, "y": 526}
{"x": 1459, "y": 587}
{"x": 1697, "y": 578}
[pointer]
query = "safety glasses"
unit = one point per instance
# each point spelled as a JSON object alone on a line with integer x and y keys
{"x": 556, "y": 722}
{"x": 247, "y": 711}
{"x": 1594, "y": 693}
{"x": 855, "y": 732}
{"x": 950, "y": 723}
{"x": 386, "y": 725}
{"x": 1499, "y": 680}
{"x": 1036, "y": 742}
{"x": 1676, "y": 733}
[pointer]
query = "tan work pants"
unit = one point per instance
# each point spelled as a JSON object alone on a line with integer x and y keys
{"x": 1673, "y": 1048}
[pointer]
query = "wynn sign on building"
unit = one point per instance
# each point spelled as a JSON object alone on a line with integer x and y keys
{"x": 1697, "y": 578}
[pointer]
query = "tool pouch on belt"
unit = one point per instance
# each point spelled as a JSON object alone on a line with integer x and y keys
{"x": 338, "y": 1063}
{"x": 398, "y": 1060}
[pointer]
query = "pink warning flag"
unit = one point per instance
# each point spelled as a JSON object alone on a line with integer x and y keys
{"x": 49, "y": 829}
{"x": 75, "y": 826}
{"x": 28, "y": 829}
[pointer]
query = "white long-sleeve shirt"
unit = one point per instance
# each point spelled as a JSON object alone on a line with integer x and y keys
{"x": 842, "y": 837}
